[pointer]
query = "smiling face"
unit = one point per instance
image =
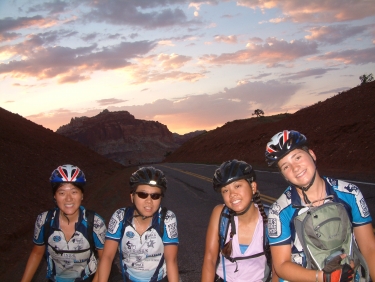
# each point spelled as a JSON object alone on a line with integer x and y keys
{"x": 238, "y": 194}
{"x": 298, "y": 167}
{"x": 147, "y": 206}
{"x": 68, "y": 198}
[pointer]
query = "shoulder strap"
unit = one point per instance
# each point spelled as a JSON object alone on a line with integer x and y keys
{"x": 223, "y": 226}
{"x": 163, "y": 213}
{"x": 90, "y": 228}
{"x": 47, "y": 226}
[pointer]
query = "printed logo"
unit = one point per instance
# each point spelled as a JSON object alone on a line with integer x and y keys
{"x": 275, "y": 209}
{"x": 272, "y": 227}
{"x": 56, "y": 238}
{"x": 130, "y": 234}
{"x": 172, "y": 230}
{"x": 363, "y": 208}
{"x": 351, "y": 188}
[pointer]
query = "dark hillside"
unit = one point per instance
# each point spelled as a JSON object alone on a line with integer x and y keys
{"x": 340, "y": 130}
{"x": 29, "y": 153}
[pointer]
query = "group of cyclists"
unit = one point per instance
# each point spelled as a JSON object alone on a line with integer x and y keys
{"x": 245, "y": 240}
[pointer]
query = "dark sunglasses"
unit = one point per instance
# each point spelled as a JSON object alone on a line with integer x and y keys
{"x": 144, "y": 195}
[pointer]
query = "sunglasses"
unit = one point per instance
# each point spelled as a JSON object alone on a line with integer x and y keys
{"x": 144, "y": 195}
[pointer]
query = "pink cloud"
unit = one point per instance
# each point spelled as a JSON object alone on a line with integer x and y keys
{"x": 317, "y": 10}
{"x": 353, "y": 56}
{"x": 334, "y": 34}
{"x": 271, "y": 53}
{"x": 230, "y": 39}
{"x": 69, "y": 64}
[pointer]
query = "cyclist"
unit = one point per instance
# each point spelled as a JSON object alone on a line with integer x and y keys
{"x": 288, "y": 151}
{"x": 62, "y": 234}
{"x": 243, "y": 257}
{"x": 145, "y": 234}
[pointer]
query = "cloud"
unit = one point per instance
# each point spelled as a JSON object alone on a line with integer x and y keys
{"x": 55, "y": 7}
{"x": 231, "y": 39}
{"x": 8, "y": 24}
{"x": 70, "y": 64}
{"x": 353, "y": 56}
{"x": 195, "y": 112}
{"x": 307, "y": 73}
{"x": 334, "y": 34}
{"x": 336, "y": 90}
{"x": 129, "y": 13}
{"x": 317, "y": 10}
{"x": 110, "y": 101}
{"x": 173, "y": 61}
{"x": 163, "y": 67}
{"x": 271, "y": 53}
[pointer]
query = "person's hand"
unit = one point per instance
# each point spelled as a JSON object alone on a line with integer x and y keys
{"x": 335, "y": 272}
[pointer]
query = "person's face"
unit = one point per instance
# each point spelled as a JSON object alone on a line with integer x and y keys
{"x": 298, "y": 167}
{"x": 68, "y": 198}
{"x": 147, "y": 206}
{"x": 238, "y": 194}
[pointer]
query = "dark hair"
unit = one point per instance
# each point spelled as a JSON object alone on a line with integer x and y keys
{"x": 56, "y": 186}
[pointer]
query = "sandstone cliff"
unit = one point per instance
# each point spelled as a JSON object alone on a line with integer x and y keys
{"x": 121, "y": 137}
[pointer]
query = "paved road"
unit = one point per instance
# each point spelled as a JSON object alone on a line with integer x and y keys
{"x": 191, "y": 197}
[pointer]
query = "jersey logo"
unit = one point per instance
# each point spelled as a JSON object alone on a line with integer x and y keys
{"x": 56, "y": 238}
{"x": 130, "y": 234}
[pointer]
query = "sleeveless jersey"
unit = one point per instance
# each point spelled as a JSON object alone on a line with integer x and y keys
{"x": 248, "y": 269}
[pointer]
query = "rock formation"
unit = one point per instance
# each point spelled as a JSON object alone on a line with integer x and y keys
{"x": 121, "y": 137}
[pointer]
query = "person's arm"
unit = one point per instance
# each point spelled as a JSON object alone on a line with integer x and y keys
{"x": 170, "y": 255}
{"x": 33, "y": 262}
{"x": 212, "y": 246}
{"x": 365, "y": 238}
{"x": 96, "y": 278}
{"x": 105, "y": 262}
{"x": 287, "y": 270}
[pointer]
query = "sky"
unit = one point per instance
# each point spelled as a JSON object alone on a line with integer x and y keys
{"x": 189, "y": 65}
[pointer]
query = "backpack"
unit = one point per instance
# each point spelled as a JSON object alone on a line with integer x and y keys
{"x": 326, "y": 231}
{"x": 224, "y": 222}
{"x": 90, "y": 229}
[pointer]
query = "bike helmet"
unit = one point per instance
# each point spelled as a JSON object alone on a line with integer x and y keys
{"x": 283, "y": 143}
{"x": 67, "y": 174}
{"x": 231, "y": 171}
{"x": 148, "y": 176}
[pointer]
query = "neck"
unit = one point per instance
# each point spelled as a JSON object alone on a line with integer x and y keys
{"x": 250, "y": 215}
{"x": 69, "y": 218}
{"x": 316, "y": 192}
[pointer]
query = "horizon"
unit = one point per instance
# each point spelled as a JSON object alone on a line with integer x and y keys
{"x": 188, "y": 65}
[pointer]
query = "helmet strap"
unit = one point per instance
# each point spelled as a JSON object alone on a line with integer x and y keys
{"x": 141, "y": 215}
{"x": 305, "y": 189}
{"x": 247, "y": 208}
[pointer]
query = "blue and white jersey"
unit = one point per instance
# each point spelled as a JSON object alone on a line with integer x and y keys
{"x": 142, "y": 256}
{"x": 281, "y": 230}
{"x": 67, "y": 267}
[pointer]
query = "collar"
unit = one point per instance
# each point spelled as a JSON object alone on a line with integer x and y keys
{"x": 296, "y": 199}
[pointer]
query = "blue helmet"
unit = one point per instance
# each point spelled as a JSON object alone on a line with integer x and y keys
{"x": 283, "y": 143}
{"x": 68, "y": 174}
{"x": 231, "y": 171}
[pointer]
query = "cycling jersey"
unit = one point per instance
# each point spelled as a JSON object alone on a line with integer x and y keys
{"x": 281, "y": 230}
{"x": 142, "y": 256}
{"x": 77, "y": 263}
